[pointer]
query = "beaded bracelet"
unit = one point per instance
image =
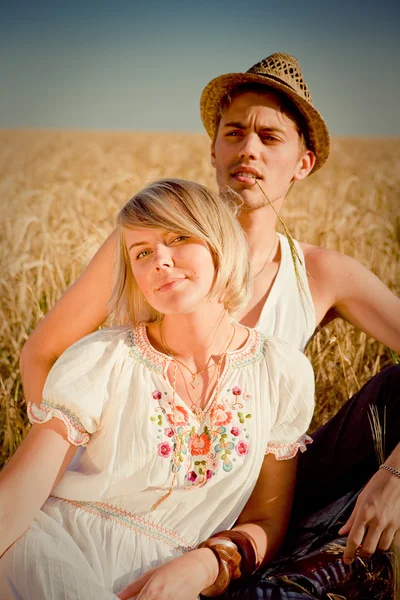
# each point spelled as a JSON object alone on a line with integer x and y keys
{"x": 228, "y": 558}
{"x": 391, "y": 470}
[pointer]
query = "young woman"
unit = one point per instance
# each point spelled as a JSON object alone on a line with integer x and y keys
{"x": 175, "y": 426}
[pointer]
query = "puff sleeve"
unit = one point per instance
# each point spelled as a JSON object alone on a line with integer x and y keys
{"x": 292, "y": 399}
{"x": 77, "y": 386}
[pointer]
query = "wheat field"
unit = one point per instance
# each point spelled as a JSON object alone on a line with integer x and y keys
{"x": 60, "y": 192}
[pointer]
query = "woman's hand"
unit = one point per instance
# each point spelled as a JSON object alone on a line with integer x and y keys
{"x": 182, "y": 578}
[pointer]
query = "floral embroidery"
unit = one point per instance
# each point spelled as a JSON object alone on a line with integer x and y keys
{"x": 225, "y": 447}
{"x": 199, "y": 445}
{"x": 157, "y": 419}
{"x": 192, "y": 476}
{"x": 181, "y": 419}
{"x": 242, "y": 448}
{"x": 164, "y": 449}
{"x": 226, "y": 420}
{"x": 219, "y": 415}
{"x": 243, "y": 417}
{"x": 203, "y": 450}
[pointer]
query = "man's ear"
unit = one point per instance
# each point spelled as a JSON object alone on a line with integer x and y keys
{"x": 212, "y": 154}
{"x": 305, "y": 165}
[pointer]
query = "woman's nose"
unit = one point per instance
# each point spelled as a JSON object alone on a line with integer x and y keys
{"x": 163, "y": 258}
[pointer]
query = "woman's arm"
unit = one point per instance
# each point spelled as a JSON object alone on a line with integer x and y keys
{"x": 265, "y": 518}
{"x": 29, "y": 477}
{"x": 79, "y": 311}
{"x": 266, "y": 515}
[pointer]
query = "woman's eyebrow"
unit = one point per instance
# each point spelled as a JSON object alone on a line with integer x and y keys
{"x": 137, "y": 244}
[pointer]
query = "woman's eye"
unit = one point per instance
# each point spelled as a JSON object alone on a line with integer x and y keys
{"x": 142, "y": 254}
{"x": 180, "y": 238}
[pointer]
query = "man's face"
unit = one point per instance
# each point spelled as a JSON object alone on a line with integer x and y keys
{"x": 257, "y": 142}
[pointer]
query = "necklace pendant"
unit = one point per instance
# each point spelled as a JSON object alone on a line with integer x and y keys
{"x": 199, "y": 413}
{"x": 194, "y": 383}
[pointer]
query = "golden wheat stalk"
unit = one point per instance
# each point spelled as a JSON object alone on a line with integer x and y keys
{"x": 61, "y": 190}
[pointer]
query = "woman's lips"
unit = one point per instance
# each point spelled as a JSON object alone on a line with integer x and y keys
{"x": 170, "y": 285}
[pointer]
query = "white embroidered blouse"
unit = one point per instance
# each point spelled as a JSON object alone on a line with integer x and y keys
{"x": 112, "y": 392}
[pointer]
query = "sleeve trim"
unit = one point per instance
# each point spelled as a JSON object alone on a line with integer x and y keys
{"x": 287, "y": 450}
{"x": 77, "y": 434}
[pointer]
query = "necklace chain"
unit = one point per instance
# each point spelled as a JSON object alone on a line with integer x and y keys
{"x": 195, "y": 405}
{"x": 213, "y": 398}
{"x": 194, "y": 383}
{"x": 268, "y": 257}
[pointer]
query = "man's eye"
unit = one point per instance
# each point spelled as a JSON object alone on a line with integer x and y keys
{"x": 233, "y": 133}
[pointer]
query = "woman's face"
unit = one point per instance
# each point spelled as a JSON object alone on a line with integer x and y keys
{"x": 175, "y": 272}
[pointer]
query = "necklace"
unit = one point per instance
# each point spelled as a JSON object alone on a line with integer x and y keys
{"x": 268, "y": 257}
{"x": 211, "y": 432}
{"x": 176, "y": 459}
{"x": 194, "y": 382}
{"x": 195, "y": 405}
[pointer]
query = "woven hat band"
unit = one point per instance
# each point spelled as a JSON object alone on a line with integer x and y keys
{"x": 274, "y": 77}
{"x": 293, "y": 79}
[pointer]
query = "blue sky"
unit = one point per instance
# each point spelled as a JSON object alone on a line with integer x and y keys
{"x": 142, "y": 64}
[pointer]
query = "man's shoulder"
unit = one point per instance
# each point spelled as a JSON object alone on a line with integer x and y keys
{"x": 322, "y": 262}
{"x": 333, "y": 277}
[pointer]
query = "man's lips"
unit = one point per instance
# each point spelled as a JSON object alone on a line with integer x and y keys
{"x": 170, "y": 284}
{"x": 245, "y": 175}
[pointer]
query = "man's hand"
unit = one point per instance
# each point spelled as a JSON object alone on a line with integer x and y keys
{"x": 375, "y": 519}
{"x": 182, "y": 578}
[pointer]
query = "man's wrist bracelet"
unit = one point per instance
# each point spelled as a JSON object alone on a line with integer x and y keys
{"x": 391, "y": 470}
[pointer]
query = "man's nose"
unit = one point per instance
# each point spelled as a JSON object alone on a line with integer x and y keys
{"x": 249, "y": 148}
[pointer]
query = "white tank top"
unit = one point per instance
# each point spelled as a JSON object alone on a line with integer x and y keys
{"x": 289, "y": 312}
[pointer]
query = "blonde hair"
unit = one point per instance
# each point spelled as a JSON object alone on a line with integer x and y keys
{"x": 189, "y": 208}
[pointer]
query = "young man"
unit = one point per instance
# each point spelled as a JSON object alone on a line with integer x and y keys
{"x": 266, "y": 134}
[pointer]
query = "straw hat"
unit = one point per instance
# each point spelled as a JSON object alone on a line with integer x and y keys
{"x": 281, "y": 72}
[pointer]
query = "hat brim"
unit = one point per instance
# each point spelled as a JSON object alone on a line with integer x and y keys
{"x": 318, "y": 134}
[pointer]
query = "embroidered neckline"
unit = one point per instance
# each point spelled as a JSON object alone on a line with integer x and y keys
{"x": 140, "y": 345}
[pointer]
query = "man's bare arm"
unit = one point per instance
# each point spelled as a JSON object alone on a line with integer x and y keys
{"x": 82, "y": 309}
{"x": 343, "y": 287}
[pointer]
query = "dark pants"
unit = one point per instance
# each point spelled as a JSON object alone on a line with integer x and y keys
{"x": 331, "y": 474}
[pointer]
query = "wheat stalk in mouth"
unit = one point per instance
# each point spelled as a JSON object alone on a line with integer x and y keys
{"x": 293, "y": 250}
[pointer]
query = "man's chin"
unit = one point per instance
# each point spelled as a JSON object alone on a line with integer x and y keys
{"x": 240, "y": 195}
{"x": 252, "y": 199}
